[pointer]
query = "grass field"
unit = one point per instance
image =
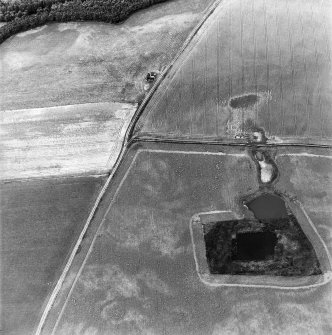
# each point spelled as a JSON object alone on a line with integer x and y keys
{"x": 70, "y": 63}
{"x": 40, "y": 219}
{"x": 309, "y": 177}
{"x": 140, "y": 275}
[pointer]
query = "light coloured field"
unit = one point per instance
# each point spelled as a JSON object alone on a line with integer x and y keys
{"x": 40, "y": 219}
{"x": 76, "y": 139}
{"x": 70, "y": 63}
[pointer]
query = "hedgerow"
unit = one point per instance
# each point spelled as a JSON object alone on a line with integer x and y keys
{"x": 23, "y": 15}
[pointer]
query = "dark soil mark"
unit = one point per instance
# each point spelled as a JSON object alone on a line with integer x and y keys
{"x": 244, "y": 101}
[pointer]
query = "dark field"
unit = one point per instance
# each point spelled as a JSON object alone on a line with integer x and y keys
{"x": 40, "y": 219}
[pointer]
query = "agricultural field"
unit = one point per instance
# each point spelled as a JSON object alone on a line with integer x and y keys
{"x": 257, "y": 76}
{"x": 80, "y": 139}
{"x": 68, "y": 92}
{"x": 252, "y": 77}
{"x": 254, "y": 66}
{"x": 71, "y": 63}
{"x": 139, "y": 274}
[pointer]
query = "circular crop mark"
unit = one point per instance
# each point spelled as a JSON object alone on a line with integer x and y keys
{"x": 244, "y": 101}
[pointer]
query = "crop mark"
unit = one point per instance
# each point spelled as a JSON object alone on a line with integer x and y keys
{"x": 244, "y": 101}
{"x": 243, "y": 110}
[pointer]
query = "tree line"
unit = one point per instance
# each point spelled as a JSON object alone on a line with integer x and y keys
{"x": 28, "y": 14}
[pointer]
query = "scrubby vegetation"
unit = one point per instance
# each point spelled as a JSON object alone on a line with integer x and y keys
{"x": 28, "y": 14}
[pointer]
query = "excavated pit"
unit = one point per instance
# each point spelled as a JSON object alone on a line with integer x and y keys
{"x": 273, "y": 243}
